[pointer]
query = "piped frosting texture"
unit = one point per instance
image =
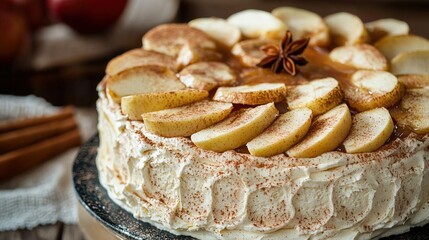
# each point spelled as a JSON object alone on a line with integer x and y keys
{"x": 187, "y": 190}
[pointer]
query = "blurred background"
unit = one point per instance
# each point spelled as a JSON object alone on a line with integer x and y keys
{"x": 58, "y": 49}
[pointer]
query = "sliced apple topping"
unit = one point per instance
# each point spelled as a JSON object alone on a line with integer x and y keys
{"x": 142, "y": 79}
{"x": 319, "y": 95}
{"x": 186, "y": 120}
{"x": 362, "y": 56}
{"x": 252, "y": 94}
{"x": 191, "y": 54}
{"x": 139, "y": 57}
{"x": 207, "y": 75}
{"x": 170, "y": 38}
{"x": 369, "y": 131}
{"x": 373, "y": 89}
{"x": 258, "y": 24}
{"x": 392, "y": 46}
{"x": 414, "y": 80}
{"x": 285, "y": 132}
{"x": 218, "y": 29}
{"x": 135, "y": 105}
{"x": 303, "y": 24}
{"x": 346, "y": 29}
{"x": 411, "y": 63}
{"x": 181, "y": 41}
{"x": 326, "y": 133}
{"x": 249, "y": 51}
{"x": 413, "y": 111}
{"x": 386, "y": 27}
{"x": 236, "y": 130}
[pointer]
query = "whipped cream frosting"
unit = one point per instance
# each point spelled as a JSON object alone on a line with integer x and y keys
{"x": 174, "y": 185}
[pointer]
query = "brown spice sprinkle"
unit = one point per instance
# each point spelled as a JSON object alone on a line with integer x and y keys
{"x": 319, "y": 66}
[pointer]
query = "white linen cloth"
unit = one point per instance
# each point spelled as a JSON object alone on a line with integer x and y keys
{"x": 44, "y": 194}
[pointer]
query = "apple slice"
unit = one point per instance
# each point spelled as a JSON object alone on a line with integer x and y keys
{"x": 191, "y": 54}
{"x": 362, "y": 56}
{"x": 249, "y": 51}
{"x": 285, "y": 132}
{"x": 143, "y": 79}
{"x": 207, "y": 75}
{"x": 186, "y": 120}
{"x": 411, "y": 63}
{"x": 414, "y": 80}
{"x": 236, "y": 130}
{"x": 258, "y": 24}
{"x": 303, "y": 24}
{"x": 135, "y": 105}
{"x": 319, "y": 95}
{"x": 139, "y": 57}
{"x": 169, "y": 39}
{"x": 218, "y": 29}
{"x": 373, "y": 89}
{"x": 326, "y": 133}
{"x": 183, "y": 42}
{"x": 369, "y": 131}
{"x": 413, "y": 111}
{"x": 386, "y": 27}
{"x": 346, "y": 29}
{"x": 392, "y": 46}
{"x": 252, "y": 94}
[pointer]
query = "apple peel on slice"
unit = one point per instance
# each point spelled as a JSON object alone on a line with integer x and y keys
{"x": 416, "y": 62}
{"x": 303, "y": 24}
{"x": 326, "y": 133}
{"x": 219, "y": 29}
{"x": 362, "y": 56}
{"x": 373, "y": 89}
{"x": 346, "y": 29}
{"x": 414, "y": 80}
{"x": 186, "y": 120}
{"x": 135, "y": 105}
{"x": 288, "y": 129}
{"x": 369, "y": 131}
{"x": 392, "y": 46}
{"x": 252, "y": 94}
{"x": 249, "y": 51}
{"x": 319, "y": 95}
{"x": 236, "y": 130}
{"x": 142, "y": 79}
{"x": 413, "y": 111}
{"x": 207, "y": 75}
{"x": 139, "y": 57}
{"x": 258, "y": 24}
{"x": 386, "y": 27}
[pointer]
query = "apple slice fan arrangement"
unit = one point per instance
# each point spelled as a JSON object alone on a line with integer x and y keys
{"x": 270, "y": 125}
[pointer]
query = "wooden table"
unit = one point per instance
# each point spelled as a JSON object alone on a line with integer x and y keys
{"x": 58, "y": 231}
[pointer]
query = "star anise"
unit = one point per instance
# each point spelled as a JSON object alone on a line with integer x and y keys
{"x": 286, "y": 56}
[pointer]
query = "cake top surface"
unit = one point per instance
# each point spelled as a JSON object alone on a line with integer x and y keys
{"x": 286, "y": 82}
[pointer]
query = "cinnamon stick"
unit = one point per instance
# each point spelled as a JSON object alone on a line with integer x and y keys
{"x": 20, "y": 160}
{"x": 24, "y": 123}
{"x": 12, "y": 140}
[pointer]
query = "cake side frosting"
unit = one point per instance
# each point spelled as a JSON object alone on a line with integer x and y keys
{"x": 187, "y": 190}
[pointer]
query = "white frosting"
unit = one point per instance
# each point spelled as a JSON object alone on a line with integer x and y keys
{"x": 180, "y": 188}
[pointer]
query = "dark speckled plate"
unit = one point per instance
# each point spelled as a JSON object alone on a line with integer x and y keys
{"x": 97, "y": 202}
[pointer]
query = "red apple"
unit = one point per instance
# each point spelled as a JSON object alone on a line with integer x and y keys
{"x": 13, "y": 31}
{"x": 87, "y": 16}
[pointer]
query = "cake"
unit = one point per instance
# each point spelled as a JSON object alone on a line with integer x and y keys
{"x": 230, "y": 129}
